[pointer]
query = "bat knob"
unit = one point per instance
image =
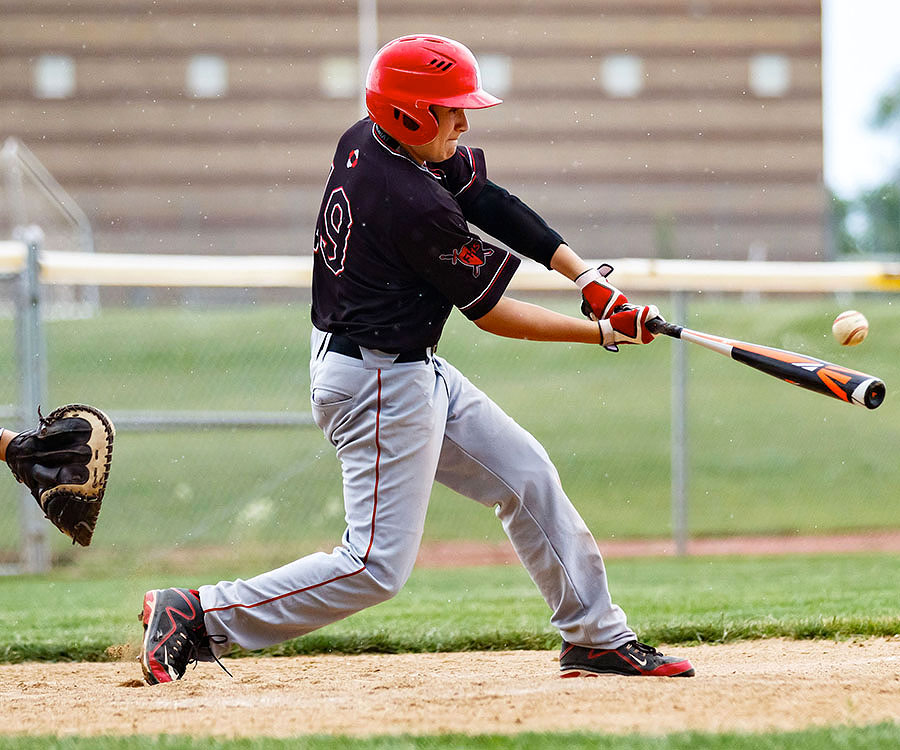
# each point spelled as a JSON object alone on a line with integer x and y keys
{"x": 874, "y": 394}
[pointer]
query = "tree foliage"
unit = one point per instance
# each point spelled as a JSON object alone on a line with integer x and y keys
{"x": 887, "y": 113}
{"x": 870, "y": 223}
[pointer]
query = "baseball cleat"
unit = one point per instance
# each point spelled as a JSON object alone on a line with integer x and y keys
{"x": 174, "y": 633}
{"x": 633, "y": 659}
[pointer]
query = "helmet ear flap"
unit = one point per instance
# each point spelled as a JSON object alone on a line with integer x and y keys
{"x": 412, "y": 126}
{"x": 428, "y": 126}
{"x": 406, "y": 120}
{"x": 415, "y": 129}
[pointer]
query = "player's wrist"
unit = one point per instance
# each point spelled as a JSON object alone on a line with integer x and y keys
{"x": 587, "y": 276}
{"x": 607, "y": 336}
{"x": 6, "y": 437}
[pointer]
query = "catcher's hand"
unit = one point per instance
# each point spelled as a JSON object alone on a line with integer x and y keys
{"x": 65, "y": 463}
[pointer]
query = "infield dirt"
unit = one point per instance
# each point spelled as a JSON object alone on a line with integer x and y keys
{"x": 749, "y": 686}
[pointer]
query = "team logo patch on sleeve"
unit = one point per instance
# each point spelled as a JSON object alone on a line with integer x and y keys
{"x": 472, "y": 254}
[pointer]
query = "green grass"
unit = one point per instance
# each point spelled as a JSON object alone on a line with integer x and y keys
{"x": 668, "y": 600}
{"x": 875, "y": 737}
{"x": 765, "y": 457}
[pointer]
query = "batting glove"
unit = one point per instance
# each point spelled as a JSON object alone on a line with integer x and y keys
{"x": 628, "y": 325}
{"x": 598, "y": 297}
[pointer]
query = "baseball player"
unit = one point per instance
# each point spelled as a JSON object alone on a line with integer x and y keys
{"x": 394, "y": 251}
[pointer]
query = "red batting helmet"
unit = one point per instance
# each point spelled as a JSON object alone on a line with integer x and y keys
{"x": 411, "y": 73}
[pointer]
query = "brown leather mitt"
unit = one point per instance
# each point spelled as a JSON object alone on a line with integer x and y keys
{"x": 65, "y": 463}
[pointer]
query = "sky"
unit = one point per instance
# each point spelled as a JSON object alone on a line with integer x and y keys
{"x": 861, "y": 61}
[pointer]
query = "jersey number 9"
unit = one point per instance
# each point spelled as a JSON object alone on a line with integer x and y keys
{"x": 333, "y": 231}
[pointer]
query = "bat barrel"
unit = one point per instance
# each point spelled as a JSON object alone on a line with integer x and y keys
{"x": 807, "y": 372}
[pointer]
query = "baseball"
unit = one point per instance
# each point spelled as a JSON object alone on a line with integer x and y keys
{"x": 850, "y": 328}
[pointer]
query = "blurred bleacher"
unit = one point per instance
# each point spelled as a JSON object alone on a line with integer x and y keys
{"x": 677, "y": 128}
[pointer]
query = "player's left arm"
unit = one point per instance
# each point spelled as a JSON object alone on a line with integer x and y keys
{"x": 567, "y": 262}
{"x": 599, "y": 298}
{"x": 495, "y": 210}
{"x": 502, "y": 215}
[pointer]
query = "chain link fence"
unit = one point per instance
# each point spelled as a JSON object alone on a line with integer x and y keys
{"x": 203, "y": 364}
{"x": 207, "y": 387}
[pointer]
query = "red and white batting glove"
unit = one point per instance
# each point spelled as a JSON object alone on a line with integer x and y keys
{"x": 628, "y": 325}
{"x": 598, "y": 297}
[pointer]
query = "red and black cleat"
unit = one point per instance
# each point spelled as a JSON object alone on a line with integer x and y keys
{"x": 174, "y": 633}
{"x": 632, "y": 659}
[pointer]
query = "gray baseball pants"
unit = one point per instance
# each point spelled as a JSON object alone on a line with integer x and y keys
{"x": 398, "y": 427}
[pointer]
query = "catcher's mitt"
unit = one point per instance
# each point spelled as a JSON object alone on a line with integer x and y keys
{"x": 65, "y": 463}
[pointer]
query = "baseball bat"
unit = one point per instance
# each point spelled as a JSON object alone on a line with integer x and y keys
{"x": 808, "y": 372}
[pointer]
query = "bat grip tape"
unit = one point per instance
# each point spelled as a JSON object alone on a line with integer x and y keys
{"x": 660, "y": 326}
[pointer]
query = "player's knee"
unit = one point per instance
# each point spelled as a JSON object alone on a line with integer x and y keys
{"x": 538, "y": 478}
{"x": 387, "y": 580}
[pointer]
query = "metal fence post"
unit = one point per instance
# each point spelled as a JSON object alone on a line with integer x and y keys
{"x": 32, "y": 356}
{"x": 366, "y": 43}
{"x": 679, "y": 447}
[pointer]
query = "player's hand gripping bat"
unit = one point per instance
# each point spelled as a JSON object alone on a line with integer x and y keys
{"x": 807, "y": 372}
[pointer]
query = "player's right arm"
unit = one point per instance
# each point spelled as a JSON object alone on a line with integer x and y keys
{"x": 517, "y": 319}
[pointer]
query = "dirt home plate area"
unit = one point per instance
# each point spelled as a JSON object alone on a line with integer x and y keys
{"x": 748, "y": 686}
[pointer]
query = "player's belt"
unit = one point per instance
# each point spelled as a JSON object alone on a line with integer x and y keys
{"x": 342, "y": 345}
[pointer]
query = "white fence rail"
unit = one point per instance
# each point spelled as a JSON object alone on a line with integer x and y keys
{"x": 34, "y": 267}
{"x": 633, "y": 274}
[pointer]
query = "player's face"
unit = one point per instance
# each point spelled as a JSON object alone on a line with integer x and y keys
{"x": 452, "y": 123}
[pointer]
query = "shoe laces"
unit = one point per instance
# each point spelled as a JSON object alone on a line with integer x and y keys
{"x": 202, "y": 642}
{"x": 638, "y": 646}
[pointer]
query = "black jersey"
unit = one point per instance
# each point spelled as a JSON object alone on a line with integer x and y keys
{"x": 393, "y": 252}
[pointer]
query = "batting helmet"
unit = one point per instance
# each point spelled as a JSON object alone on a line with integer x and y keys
{"x": 413, "y": 72}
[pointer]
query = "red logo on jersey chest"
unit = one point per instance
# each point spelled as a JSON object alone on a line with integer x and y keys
{"x": 472, "y": 254}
